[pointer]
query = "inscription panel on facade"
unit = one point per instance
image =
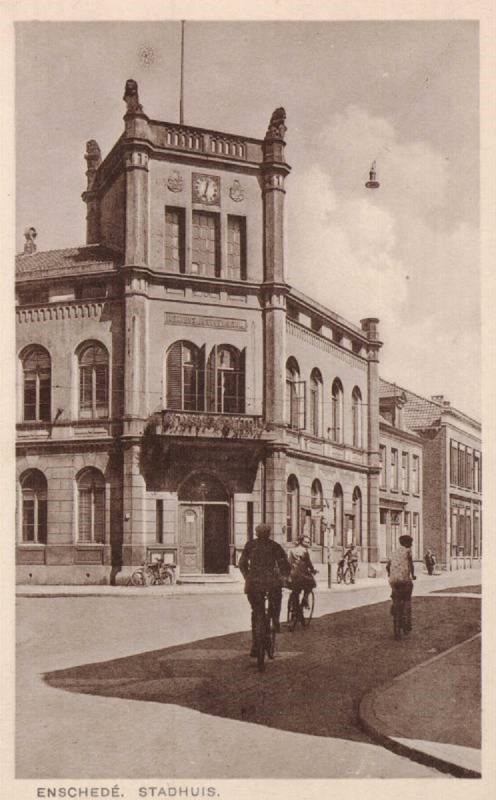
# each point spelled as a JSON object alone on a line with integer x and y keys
{"x": 197, "y": 320}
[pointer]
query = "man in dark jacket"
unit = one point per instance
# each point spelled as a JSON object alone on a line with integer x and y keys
{"x": 264, "y": 565}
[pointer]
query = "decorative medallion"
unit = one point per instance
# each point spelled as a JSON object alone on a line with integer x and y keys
{"x": 236, "y": 192}
{"x": 175, "y": 182}
{"x": 206, "y": 189}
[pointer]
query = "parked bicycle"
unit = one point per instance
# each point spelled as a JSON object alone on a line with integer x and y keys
{"x": 265, "y": 634}
{"x": 300, "y": 610}
{"x": 345, "y": 573}
{"x": 153, "y": 573}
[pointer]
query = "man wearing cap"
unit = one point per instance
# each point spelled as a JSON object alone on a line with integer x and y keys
{"x": 264, "y": 565}
{"x": 401, "y": 575}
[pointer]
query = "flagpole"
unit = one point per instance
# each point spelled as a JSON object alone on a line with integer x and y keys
{"x": 181, "y": 97}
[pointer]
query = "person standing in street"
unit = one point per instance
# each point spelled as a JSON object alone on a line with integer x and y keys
{"x": 401, "y": 575}
{"x": 264, "y": 566}
{"x": 430, "y": 562}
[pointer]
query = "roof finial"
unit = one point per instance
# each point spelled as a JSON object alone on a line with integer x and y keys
{"x": 30, "y": 244}
{"x": 131, "y": 98}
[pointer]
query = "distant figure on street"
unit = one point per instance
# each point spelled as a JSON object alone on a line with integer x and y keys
{"x": 351, "y": 556}
{"x": 430, "y": 562}
{"x": 302, "y": 570}
{"x": 401, "y": 575}
{"x": 264, "y": 566}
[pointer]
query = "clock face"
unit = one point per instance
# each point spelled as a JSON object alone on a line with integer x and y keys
{"x": 206, "y": 189}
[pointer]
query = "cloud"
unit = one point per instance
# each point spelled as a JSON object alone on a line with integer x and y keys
{"x": 396, "y": 252}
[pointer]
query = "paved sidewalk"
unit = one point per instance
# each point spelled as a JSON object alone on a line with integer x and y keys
{"x": 424, "y": 584}
{"x": 432, "y": 719}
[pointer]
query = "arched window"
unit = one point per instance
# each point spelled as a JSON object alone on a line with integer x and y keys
{"x": 229, "y": 379}
{"x": 295, "y": 396}
{"x": 91, "y": 506}
{"x": 338, "y": 513}
{"x": 357, "y": 519}
{"x": 316, "y": 403}
{"x": 317, "y": 500}
{"x": 93, "y": 381}
{"x": 185, "y": 377}
{"x": 292, "y": 509}
{"x": 37, "y": 373}
{"x": 356, "y": 415}
{"x": 337, "y": 411}
{"x": 34, "y": 507}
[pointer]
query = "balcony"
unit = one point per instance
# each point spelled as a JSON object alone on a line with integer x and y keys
{"x": 210, "y": 425}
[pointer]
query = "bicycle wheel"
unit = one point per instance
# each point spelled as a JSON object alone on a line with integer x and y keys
{"x": 270, "y": 640}
{"x": 339, "y": 575}
{"x": 307, "y": 613}
{"x": 260, "y": 642}
{"x": 292, "y": 612}
{"x": 138, "y": 578}
{"x": 347, "y": 575}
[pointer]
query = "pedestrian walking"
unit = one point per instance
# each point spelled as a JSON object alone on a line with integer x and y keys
{"x": 430, "y": 562}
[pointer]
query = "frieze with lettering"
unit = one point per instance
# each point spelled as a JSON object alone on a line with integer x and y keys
{"x": 200, "y": 321}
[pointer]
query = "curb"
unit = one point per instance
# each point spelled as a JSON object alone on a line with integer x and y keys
{"x": 372, "y": 726}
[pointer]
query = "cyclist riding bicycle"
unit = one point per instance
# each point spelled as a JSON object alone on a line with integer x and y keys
{"x": 302, "y": 570}
{"x": 264, "y": 566}
{"x": 401, "y": 575}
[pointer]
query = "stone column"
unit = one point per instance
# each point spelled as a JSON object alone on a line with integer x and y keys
{"x": 135, "y": 140}
{"x": 136, "y": 166}
{"x": 370, "y": 327}
{"x": 275, "y": 492}
{"x": 274, "y": 171}
{"x": 133, "y": 507}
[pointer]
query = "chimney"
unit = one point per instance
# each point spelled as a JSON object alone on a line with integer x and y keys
{"x": 30, "y": 244}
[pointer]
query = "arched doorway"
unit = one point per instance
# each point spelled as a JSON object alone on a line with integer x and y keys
{"x": 204, "y": 525}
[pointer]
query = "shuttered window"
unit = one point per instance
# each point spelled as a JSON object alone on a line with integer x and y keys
{"x": 93, "y": 382}
{"x": 37, "y": 373}
{"x": 236, "y": 248}
{"x": 91, "y": 507}
{"x": 174, "y": 239}
{"x": 205, "y": 246}
{"x": 185, "y": 377}
{"x": 34, "y": 507}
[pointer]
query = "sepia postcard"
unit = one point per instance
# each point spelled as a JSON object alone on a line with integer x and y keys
{"x": 247, "y": 320}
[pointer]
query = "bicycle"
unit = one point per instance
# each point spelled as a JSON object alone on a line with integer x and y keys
{"x": 297, "y": 611}
{"x": 153, "y": 573}
{"x": 345, "y": 574}
{"x": 265, "y": 634}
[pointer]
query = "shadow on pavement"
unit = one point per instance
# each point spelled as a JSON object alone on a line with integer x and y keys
{"x": 313, "y": 686}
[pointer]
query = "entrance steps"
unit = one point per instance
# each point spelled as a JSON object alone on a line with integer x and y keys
{"x": 207, "y": 578}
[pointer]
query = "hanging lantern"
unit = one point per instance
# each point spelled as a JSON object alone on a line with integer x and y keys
{"x": 372, "y": 183}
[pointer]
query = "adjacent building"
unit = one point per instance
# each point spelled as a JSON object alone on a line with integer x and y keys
{"x": 400, "y": 486}
{"x": 451, "y": 474}
{"x": 173, "y": 389}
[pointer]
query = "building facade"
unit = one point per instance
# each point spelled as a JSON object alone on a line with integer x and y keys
{"x": 400, "y": 485}
{"x": 173, "y": 389}
{"x": 451, "y": 476}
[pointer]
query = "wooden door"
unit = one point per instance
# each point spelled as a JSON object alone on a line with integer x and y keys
{"x": 190, "y": 539}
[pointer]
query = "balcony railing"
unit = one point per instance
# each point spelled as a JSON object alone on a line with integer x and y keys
{"x": 199, "y": 423}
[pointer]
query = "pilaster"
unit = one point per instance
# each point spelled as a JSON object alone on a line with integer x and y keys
{"x": 370, "y": 327}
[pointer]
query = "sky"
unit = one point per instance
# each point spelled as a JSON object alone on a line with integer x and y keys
{"x": 404, "y": 94}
